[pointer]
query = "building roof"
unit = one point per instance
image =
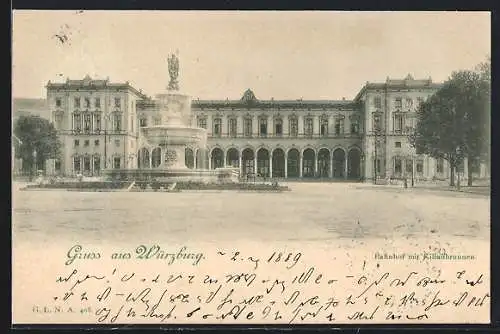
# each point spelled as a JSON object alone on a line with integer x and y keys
{"x": 250, "y": 101}
{"x": 89, "y": 83}
{"x": 407, "y": 83}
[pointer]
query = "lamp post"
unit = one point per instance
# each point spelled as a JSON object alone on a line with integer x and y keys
{"x": 34, "y": 162}
{"x": 457, "y": 168}
{"x": 412, "y": 172}
{"x": 106, "y": 119}
{"x": 377, "y": 129}
{"x": 361, "y": 174}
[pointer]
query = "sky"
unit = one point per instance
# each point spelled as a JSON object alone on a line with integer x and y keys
{"x": 281, "y": 55}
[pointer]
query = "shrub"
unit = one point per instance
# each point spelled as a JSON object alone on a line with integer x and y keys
{"x": 155, "y": 185}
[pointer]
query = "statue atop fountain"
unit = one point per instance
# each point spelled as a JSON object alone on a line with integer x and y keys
{"x": 173, "y": 71}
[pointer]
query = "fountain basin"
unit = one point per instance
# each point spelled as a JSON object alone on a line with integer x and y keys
{"x": 165, "y": 135}
{"x": 219, "y": 175}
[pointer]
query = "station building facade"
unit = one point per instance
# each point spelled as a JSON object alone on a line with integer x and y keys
{"x": 96, "y": 123}
{"x": 359, "y": 139}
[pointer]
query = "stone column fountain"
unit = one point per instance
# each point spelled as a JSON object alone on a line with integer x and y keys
{"x": 173, "y": 135}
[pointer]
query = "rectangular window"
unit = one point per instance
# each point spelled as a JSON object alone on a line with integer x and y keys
{"x": 354, "y": 126}
{"x": 377, "y": 102}
{"x": 118, "y": 102}
{"x": 116, "y": 162}
{"x": 87, "y": 102}
{"x": 398, "y": 144}
{"x": 233, "y": 127}
{"x": 324, "y": 127}
{"x": 76, "y": 142}
{"x": 377, "y": 122}
{"x": 263, "y": 127}
{"x": 398, "y": 123}
{"x": 97, "y": 164}
{"x": 77, "y": 122}
{"x": 202, "y": 122}
{"x": 77, "y": 102}
{"x": 398, "y": 103}
{"x": 294, "y": 127}
{"x": 76, "y": 164}
{"x": 97, "y": 102}
{"x": 86, "y": 143}
{"x": 117, "y": 120}
{"x": 309, "y": 126}
{"x": 157, "y": 121}
{"x": 87, "y": 120}
{"x": 58, "y": 102}
{"x": 339, "y": 126}
{"x": 278, "y": 127}
{"x": 96, "y": 142}
{"x": 143, "y": 122}
{"x": 117, "y": 142}
{"x": 398, "y": 167}
{"x": 247, "y": 127}
{"x": 217, "y": 127}
{"x": 86, "y": 164}
{"x": 409, "y": 103}
{"x": 97, "y": 118}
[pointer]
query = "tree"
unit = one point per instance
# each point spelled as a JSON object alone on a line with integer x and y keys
{"x": 484, "y": 70}
{"x": 452, "y": 124}
{"x": 38, "y": 137}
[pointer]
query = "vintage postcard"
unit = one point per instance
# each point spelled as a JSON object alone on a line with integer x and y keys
{"x": 230, "y": 167}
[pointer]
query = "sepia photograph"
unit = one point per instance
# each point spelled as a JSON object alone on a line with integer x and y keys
{"x": 250, "y": 167}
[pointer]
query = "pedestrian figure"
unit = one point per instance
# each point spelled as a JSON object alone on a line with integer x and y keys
{"x": 406, "y": 182}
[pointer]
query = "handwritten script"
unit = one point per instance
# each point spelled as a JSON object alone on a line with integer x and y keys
{"x": 152, "y": 285}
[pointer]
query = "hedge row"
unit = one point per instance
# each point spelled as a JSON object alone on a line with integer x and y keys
{"x": 83, "y": 185}
{"x": 229, "y": 186}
